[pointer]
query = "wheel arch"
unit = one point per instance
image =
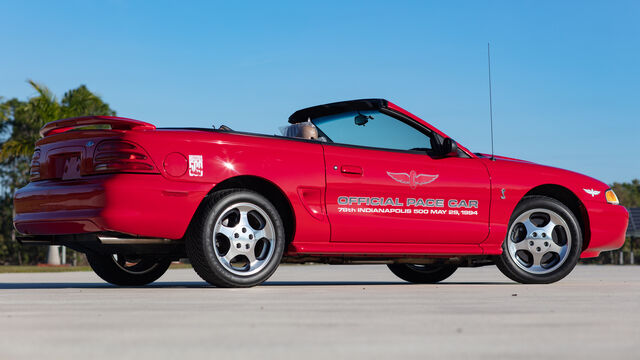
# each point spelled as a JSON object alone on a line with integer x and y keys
{"x": 268, "y": 189}
{"x": 570, "y": 200}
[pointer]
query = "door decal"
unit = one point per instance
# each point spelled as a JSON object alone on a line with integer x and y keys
{"x": 412, "y": 178}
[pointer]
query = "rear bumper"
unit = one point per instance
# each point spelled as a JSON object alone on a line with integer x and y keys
{"x": 608, "y": 224}
{"x": 138, "y": 204}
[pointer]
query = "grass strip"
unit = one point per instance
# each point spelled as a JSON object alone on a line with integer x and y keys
{"x": 40, "y": 269}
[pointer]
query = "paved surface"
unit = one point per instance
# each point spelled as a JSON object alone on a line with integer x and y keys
{"x": 323, "y": 312}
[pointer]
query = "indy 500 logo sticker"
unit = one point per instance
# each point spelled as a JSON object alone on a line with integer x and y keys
{"x": 195, "y": 165}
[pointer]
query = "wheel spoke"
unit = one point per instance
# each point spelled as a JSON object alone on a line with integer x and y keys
{"x": 232, "y": 253}
{"x": 260, "y": 234}
{"x": 531, "y": 228}
{"x": 226, "y": 231}
{"x": 553, "y": 247}
{"x": 554, "y": 220}
{"x": 251, "y": 256}
{"x": 254, "y": 263}
{"x": 548, "y": 230}
{"x": 244, "y": 219}
{"x": 537, "y": 257}
{"x": 522, "y": 245}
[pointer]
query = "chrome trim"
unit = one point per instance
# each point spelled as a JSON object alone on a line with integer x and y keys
{"x": 110, "y": 240}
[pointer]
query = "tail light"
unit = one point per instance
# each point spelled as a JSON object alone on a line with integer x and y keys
{"x": 121, "y": 156}
{"x": 34, "y": 175}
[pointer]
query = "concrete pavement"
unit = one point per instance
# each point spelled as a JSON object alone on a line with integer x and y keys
{"x": 323, "y": 311}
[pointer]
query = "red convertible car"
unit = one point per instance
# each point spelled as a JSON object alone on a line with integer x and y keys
{"x": 352, "y": 182}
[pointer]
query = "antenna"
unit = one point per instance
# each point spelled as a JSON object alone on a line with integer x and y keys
{"x": 490, "y": 99}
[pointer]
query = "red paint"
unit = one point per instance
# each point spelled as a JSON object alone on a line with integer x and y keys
{"x": 159, "y": 201}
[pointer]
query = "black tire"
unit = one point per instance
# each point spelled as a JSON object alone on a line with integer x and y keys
{"x": 145, "y": 271}
{"x": 202, "y": 249}
{"x": 422, "y": 274}
{"x": 509, "y": 264}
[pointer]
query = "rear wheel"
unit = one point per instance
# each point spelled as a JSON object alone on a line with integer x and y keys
{"x": 128, "y": 270}
{"x": 422, "y": 274}
{"x": 543, "y": 242}
{"x": 236, "y": 239}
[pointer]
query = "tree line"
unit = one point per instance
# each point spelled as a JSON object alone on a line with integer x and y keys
{"x": 20, "y": 122}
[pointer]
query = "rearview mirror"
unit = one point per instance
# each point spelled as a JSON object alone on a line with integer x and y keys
{"x": 361, "y": 120}
{"x": 449, "y": 147}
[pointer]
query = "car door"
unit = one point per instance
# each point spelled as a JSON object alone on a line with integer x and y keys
{"x": 398, "y": 191}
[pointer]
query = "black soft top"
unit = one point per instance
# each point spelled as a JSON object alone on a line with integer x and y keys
{"x": 337, "y": 108}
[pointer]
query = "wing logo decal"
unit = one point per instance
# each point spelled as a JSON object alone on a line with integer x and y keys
{"x": 591, "y": 192}
{"x": 412, "y": 178}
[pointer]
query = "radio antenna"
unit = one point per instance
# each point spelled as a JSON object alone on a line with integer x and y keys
{"x": 490, "y": 99}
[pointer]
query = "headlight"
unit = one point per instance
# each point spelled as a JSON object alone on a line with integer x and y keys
{"x": 611, "y": 197}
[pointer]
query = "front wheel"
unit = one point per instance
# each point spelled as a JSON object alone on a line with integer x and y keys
{"x": 422, "y": 274}
{"x": 543, "y": 242}
{"x": 127, "y": 270}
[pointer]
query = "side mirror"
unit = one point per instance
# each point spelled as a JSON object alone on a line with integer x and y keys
{"x": 449, "y": 148}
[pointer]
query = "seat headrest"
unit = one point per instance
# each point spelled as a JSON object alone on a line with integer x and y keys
{"x": 304, "y": 130}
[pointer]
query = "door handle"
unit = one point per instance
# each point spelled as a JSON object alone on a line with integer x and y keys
{"x": 351, "y": 169}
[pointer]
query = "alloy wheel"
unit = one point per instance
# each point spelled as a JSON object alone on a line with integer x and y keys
{"x": 244, "y": 239}
{"x": 539, "y": 241}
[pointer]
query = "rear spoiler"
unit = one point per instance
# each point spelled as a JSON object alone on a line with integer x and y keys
{"x": 116, "y": 123}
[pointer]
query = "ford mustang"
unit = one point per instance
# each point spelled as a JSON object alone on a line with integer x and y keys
{"x": 351, "y": 182}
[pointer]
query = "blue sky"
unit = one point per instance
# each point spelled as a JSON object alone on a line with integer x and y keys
{"x": 566, "y": 74}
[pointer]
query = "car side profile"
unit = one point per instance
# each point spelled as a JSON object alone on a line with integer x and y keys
{"x": 361, "y": 181}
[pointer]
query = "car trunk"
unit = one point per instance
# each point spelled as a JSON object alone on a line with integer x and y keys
{"x": 73, "y": 148}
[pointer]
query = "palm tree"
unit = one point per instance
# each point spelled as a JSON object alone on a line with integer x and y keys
{"x": 24, "y": 119}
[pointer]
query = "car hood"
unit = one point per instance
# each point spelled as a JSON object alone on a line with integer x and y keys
{"x": 531, "y": 174}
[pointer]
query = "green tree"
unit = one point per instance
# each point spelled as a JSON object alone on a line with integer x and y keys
{"x": 20, "y": 123}
{"x": 628, "y": 193}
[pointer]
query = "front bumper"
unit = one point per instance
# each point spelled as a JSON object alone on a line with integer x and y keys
{"x": 608, "y": 226}
{"x": 138, "y": 204}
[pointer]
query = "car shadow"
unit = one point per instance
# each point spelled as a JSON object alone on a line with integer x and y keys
{"x": 201, "y": 284}
{"x": 371, "y": 283}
